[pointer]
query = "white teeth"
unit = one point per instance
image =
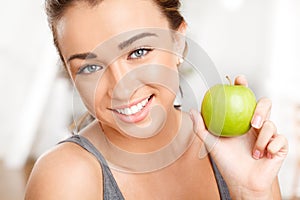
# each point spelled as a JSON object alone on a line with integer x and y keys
{"x": 127, "y": 111}
{"x": 144, "y": 102}
{"x": 139, "y": 106}
{"x": 133, "y": 109}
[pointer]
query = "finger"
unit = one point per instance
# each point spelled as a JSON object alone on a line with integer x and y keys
{"x": 198, "y": 123}
{"x": 262, "y": 112}
{"x": 201, "y": 132}
{"x": 265, "y": 135}
{"x": 278, "y": 146}
{"x": 241, "y": 80}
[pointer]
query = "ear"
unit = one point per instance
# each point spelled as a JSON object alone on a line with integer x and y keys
{"x": 182, "y": 28}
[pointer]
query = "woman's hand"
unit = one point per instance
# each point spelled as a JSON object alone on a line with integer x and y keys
{"x": 249, "y": 163}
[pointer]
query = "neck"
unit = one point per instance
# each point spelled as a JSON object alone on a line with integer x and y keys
{"x": 145, "y": 155}
{"x": 145, "y": 145}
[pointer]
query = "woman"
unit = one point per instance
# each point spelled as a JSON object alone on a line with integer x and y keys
{"x": 122, "y": 57}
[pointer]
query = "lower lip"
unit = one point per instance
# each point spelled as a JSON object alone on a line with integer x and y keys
{"x": 137, "y": 117}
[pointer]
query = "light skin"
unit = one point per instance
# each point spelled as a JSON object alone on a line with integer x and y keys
{"x": 69, "y": 172}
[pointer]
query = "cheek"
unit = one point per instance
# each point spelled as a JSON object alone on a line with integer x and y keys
{"x": 92, "y": 89}
{"x": 168, "y": 95}
{"x": 86, "y": 89}
{"x": 102, "y": 103}
{"x": 169, "y": 60}
{"x": 102, "y": 100}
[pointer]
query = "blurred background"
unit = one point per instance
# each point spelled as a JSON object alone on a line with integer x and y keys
{"x": 257, "y": 38}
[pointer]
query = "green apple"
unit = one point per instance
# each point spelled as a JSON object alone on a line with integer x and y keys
{"x": 227, "y": 110}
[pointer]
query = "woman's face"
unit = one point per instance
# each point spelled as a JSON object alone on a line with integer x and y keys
{"x": 122, "y": 58}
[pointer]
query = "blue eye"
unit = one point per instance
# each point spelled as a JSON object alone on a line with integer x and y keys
{"x": 88, "y": 69}
{"x": 139, "y": 53}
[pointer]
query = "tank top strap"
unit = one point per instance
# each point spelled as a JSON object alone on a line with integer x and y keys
{"x": 222, "y": 186}
{"x": 110, "y": 186}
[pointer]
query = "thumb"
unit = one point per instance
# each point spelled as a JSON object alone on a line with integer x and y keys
{"x": 198, "y": 123}
{"x": 201, "y": 132}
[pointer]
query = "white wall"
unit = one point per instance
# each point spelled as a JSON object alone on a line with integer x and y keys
{"x": 28, "y": 65}
{"x": 258, "y": 38}
{"x": 234, "y": 36}
{"x": 23, "y": 38}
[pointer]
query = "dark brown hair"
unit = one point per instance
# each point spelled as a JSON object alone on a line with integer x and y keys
{"x": 55, "y": 9}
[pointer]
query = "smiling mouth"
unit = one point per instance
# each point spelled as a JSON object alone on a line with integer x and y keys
{"x": 134, "y": 108}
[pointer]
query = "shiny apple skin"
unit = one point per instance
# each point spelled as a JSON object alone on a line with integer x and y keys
{"x": 227, "y": 110}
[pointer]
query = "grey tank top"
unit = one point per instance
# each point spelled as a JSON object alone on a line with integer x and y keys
{"x": 111, "y": 190}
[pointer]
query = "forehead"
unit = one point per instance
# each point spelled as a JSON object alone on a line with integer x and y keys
{"x": 83, "y": 27}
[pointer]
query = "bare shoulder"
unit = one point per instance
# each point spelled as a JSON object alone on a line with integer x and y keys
{"x": 65, "y": 172}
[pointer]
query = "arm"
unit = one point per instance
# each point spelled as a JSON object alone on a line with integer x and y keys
{"x": 276, "y": 190}
{"x": 67, "y": 172}
{"x": 241, "y": 193}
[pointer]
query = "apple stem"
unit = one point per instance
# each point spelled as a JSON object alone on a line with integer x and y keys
{"x": 229, "y": 80}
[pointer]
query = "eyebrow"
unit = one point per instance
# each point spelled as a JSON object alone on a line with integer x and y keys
{"x": 82, "y": 56}
{"x": 131, "y": 40}
{"x": 122, "y": 45}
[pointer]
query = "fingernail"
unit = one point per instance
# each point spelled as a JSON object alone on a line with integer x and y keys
{"x": 256, "y": 154}
{"x": 256, "y": 122}
{"x": 194, "y": 119}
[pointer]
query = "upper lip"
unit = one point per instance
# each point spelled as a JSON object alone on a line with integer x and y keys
{"x": 134, "y": 102}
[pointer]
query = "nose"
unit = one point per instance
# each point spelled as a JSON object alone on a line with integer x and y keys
{"x": 121, "y": 80}
{"x": 118, "y": 70}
